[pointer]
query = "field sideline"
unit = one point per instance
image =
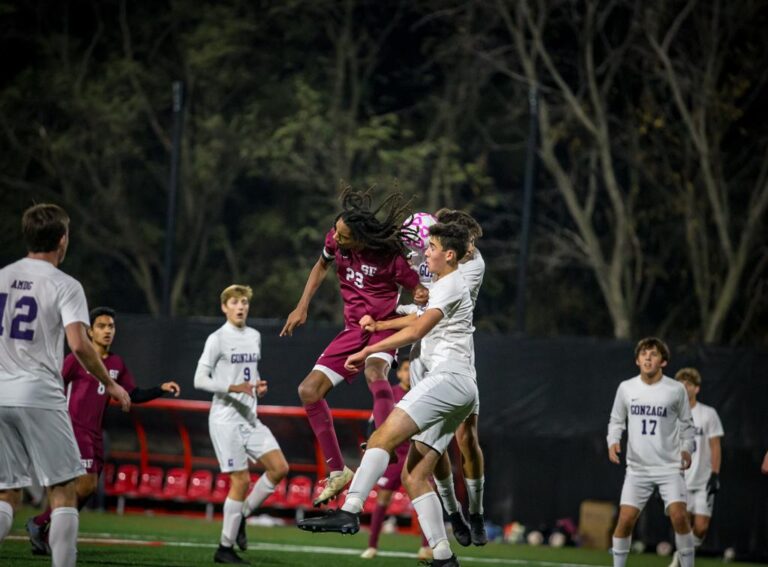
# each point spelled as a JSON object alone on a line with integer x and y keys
{"x": 172, "y": 541}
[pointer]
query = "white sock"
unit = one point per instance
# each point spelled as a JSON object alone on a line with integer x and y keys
{"x": 685, "y": 551}
{"x": 621, "y": 546}
{"x": 261, "y": 490}
{"x": 430, "y": 514}
{"x": 447, "y": 495}
{"x": 62, "y": 536}
{"x": 475, "y": 494}
{"x": 233, "y": 513}
{"x": 372, "y": 466}
{"x": 697, "y": 541}
{"x": 6, "y": 519}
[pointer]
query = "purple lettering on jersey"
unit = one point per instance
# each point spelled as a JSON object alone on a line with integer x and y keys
{"x": 369, "y": 280}
{"x": 87, "y": 396}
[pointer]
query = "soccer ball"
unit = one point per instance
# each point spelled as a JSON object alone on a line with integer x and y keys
{"x": 557, "y": 539}
{"x": 416, "y": 231}
{"x": 535, "y": 538}
{"x": 664, "y": 548}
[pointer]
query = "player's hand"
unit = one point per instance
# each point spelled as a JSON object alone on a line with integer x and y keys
{"x": 116, "y": 391}
{"x": 296, "y": 318}
{"x": 613, "y": 453}
{"x": 713, "y": 484}
{"x": 367, "y": 323}
{"x": 420, "y": 295}
{"x": 764, "y": 467}
{"x": 685, "y": 460}
{"x": 356, "y": 361}
{"x": 171, "y": 387}
{"x": 242, "y": 388}
{"x": 261, "y": 388}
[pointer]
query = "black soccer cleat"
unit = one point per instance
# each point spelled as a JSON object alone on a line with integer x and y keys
{"x": 460, "y": 528}
{"x": 333, "y": 521}
{"x": 227, "y": 555}
{"x": 38, "y": 538}
{"x": 452, "y": 561}
{"x": 477, "y": 529}
{"x": 242, "y": 539}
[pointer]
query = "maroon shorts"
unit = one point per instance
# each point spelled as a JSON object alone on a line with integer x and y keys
{"x": 391, "y": 479}
{"x": 91, "y": 451}
{"x": 346, "y": 343}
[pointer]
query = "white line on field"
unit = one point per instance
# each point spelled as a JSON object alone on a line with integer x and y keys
{"x": 109, "y": 539}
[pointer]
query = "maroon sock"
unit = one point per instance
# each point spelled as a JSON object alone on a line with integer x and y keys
{"x": 383, "y": 400}
{"x": 377, "y": 519}
{"x": 44, "y": 518}
{"x": 321, "y": 422}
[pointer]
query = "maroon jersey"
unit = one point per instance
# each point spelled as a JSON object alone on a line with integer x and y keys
{"x": 369, "y": 280}
{"x": 398, "y": 392}
{"x": 87, "y": 397}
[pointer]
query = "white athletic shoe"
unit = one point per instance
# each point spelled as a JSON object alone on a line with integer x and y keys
{"x": 424, "y": 554}
{"x": 334, "y": 485}
{"x": 369, "y": 553}
{"x": 675, "y": 560}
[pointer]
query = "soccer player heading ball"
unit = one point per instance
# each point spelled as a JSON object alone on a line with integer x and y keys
{"x": 366, "y": 244}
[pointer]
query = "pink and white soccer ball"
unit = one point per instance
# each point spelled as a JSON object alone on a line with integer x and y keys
{"x": 416, "y": 229}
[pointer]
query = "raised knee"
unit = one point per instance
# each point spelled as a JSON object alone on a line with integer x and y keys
{"x": 308, "y": 394}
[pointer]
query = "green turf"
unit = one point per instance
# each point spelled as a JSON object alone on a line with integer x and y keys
{"x": 191, "y": 542}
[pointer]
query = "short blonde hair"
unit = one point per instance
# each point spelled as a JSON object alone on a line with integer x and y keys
{"x": 236, "y": 290}
{"x": 688, "y": 375}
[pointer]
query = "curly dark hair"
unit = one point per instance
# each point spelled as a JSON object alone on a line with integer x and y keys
{"x": 383, "y": 234}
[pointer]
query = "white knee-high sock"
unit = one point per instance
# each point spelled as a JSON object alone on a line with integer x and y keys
{"x": 233, "y": 513}
{"x": 475, "y": 487}
{"x": 430, "y": 514}
{"x": 697, "y": 541}
{"x": 261, "y": 490}
{"x": 62, "y": 536}
{"x": 685, "y": 550}
{"x": 447, "y": 494}
{"x": 621, "y": 546}
{"x": 6, "y": 519}
{"x": 372, "y": 466}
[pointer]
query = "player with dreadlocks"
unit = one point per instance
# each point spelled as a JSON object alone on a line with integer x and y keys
{"x": 367, "y": 246}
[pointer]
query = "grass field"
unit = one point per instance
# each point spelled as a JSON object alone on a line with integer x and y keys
{"x": 172, "y": 541}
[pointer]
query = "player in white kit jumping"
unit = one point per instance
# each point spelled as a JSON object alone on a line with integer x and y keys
{"x": 703, "y": 478}
{"x": 432, "y": 410}
{"x": 39, "y": 306}
{"x": 655, "y": 412}
{"x": 228, "y": 367}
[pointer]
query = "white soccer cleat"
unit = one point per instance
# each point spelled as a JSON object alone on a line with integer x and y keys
{"x": 369, "y": 553}
{"x": 424, "y": 554}
{"x": 334, "y": 485}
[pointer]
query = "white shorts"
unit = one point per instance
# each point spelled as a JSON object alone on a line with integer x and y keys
{"x": 418, "y": 371}
{"x": 700, "y": 503}
{"x": 235, "y": 442}
{"x": 638, "y": 489}
{"x": 40, "y": 441}
{"x": 438, "y": 404}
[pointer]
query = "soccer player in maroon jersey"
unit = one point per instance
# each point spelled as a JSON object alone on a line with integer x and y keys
{"x": 87, "y": 402}
{"x": 370, "y": 262}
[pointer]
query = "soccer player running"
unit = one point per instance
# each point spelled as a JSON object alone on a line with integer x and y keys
{"x": 432, "y": 410}
{"x": 87, "y": 403}
{"x": 39, "y": 306}
{"x": 703, "y": 478}
{"x": 370, "y": 262}
{"x": 228, "y": 367}
{"x": 655, "y": 412}
{"x": 390, "y": 481}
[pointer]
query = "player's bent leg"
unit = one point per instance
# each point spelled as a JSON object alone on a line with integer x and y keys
{"x": 376, "y": 370}
{"x": 700, "y": 526}
{"x": 444, "y": 484}
{"x": 233, "y": 524}
{"x": 473, "y": 466}
{"x": 85, "y": 486}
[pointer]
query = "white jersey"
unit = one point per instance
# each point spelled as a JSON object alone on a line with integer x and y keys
{"x": 658, "y": 422}
{"x": 448, "y": 346}
{"x": 37, "y": 301}
{"x": 230, "y": 357}
{"x": 707, "y": 425}
{"x": 473, "y": 271}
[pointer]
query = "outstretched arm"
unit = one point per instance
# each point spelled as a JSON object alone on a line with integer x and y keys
{"x": 298, "y": 316}
{"x": 367, "y": 323}
{"x": 141, "y": 395}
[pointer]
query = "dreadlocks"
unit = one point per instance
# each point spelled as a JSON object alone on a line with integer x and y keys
{"x": 383, "y": 235}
